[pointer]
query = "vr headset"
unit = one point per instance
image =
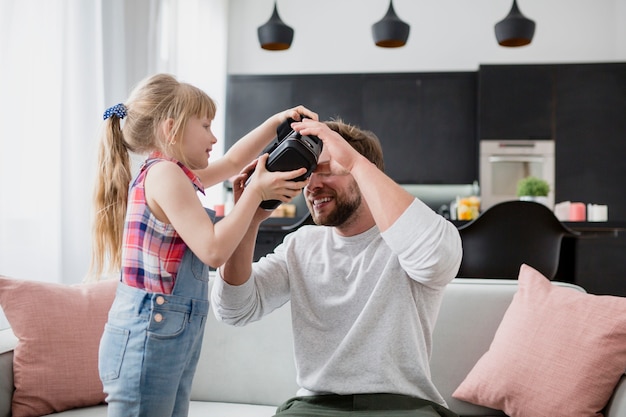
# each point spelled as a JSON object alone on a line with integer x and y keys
{"x": 289, "y": 151}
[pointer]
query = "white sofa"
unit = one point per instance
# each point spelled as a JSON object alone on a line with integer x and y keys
{"x": 248, "y": 371}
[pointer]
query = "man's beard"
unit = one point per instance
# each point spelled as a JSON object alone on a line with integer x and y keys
{"x": 345, "y": 207}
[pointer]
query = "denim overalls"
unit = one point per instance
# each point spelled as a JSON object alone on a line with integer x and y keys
{"x": 151, "y": 344}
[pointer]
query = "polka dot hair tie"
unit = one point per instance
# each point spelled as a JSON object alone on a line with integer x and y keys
{"x": 118, "y": 110}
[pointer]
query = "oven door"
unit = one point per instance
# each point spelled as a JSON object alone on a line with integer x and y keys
{"x": 501, "y": 167}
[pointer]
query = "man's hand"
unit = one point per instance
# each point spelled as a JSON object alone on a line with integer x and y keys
{"x": 343, "y": 157}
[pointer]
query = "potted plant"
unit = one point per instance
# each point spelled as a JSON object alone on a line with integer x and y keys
{"x": 533, "y": 189}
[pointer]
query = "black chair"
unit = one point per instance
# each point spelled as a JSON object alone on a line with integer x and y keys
{"x": 508, "y": 234}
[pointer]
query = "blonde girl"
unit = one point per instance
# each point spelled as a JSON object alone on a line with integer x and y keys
{"x": 154, "y": 230}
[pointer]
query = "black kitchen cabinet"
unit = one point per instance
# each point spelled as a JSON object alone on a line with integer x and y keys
{"x": 591, "y": 135}
{"x": 426, "y": 122}
{"x": 427, "y": 125}
{"x": 581, "y": 106}
{"x": 516, "y": 102}
{"x": 594, "y": 258}
{"x": 251, "y": 100}
{"x": 600, "y": 266}
{"x": 337, "y": 96}
{"x": 391, "y": 108}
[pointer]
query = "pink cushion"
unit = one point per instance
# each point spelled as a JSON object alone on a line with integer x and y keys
{"x": 55, "y": 362}
{"x": 557, "y": 352}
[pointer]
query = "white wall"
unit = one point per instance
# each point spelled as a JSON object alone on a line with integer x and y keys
{"x": 334, "y": 36}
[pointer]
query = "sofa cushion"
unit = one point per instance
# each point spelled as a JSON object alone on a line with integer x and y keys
{"x": 58, "y": 327}
{"x": 196, "y": 409}
{"x": 256, "y": 360}
{"x": 8, "y": 341}
{"x": 556, "y": 352}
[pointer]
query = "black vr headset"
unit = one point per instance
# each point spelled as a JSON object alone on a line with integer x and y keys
{"x": 289, "y": 151}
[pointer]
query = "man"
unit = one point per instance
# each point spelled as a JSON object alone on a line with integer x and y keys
{"x": 365, "y": 285}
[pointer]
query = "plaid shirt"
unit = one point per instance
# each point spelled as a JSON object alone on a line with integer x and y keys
{"x": 152, "y": 250}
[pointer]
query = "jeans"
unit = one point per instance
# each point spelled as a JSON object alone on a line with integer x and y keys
{"x": 151, "y": 345}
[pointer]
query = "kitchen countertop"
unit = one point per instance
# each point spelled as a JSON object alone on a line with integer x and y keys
{"x": 586, "y": 229}
{"x": 608, "y": 228}
{"x": 589, "y": 229}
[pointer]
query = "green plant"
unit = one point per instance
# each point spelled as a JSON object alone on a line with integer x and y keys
{"x": 532, "y": 186}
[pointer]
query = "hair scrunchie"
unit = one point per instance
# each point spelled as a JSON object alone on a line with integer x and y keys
{"x": 118, "y": 110}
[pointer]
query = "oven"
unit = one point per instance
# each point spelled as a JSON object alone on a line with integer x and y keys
{"x": 504, "y": 162}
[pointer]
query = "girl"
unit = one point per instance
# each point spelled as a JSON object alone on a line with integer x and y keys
{"x": 162, "y": 238}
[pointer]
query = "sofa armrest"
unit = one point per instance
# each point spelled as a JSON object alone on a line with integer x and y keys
{"x": 617, "y": 404}
{"x": 8, "y": 341}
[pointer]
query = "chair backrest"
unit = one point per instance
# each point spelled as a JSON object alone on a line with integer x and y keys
{"x": 509, "y": 234}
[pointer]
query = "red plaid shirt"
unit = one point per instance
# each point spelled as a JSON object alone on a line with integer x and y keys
{"x": 152, "y": 249}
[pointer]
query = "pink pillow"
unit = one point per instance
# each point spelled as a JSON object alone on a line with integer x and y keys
{"x": 557, "y": 352}
{"x": 55, "y": 363}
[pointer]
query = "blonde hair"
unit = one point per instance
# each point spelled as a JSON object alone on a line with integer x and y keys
{"x": 154, "y": 100}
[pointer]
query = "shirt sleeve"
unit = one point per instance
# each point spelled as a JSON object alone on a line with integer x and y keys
{"x": 233, "y": 304}
{"x": 428, "y": 246}
{"x": 265, "y": 290}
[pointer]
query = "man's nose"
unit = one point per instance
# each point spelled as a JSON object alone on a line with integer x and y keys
{"x": 315, "y": 181}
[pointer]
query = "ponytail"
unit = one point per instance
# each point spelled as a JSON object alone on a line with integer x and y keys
{"x": 110, "y": 199}
{"x": 155, "y": 99}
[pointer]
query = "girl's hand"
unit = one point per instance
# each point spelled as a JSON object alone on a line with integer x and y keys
{"x": 275, "y": 185}
{"x": 239, "y": 184}
{"x": 296, "y": 113}
{"x": 239, "y": 181}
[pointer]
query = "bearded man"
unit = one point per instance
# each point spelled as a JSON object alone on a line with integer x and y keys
{"x": 365, "y": 285}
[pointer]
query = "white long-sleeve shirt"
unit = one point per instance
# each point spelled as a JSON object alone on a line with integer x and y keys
{"x": 363, "y": 307}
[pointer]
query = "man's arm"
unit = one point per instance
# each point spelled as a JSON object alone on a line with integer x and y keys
{"x": 386, "y": 199}
{"x": 238, "y": 267}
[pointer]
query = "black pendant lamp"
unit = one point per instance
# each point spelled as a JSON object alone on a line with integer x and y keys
{"x": 275, "y": 35}
{"x": 515, "y": 29}
{"x": 390, "y": 31}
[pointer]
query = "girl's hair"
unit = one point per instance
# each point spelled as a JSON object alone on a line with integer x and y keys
{"x": 153, "y": 101}
{"x": 364, "y": 141}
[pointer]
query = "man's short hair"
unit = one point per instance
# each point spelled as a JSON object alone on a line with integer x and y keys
{"x": 364, "y": 141}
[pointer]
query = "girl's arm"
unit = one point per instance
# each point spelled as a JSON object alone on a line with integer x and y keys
{"x": 249, "y": 147}
{"x": 173, "y": 199}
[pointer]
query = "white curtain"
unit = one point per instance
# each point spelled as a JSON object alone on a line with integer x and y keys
{"x": 187, "y": 38}
{"x": 62, "y": 62}
{"x": 198, "y": 56}
{"x": 50, "y": 89}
